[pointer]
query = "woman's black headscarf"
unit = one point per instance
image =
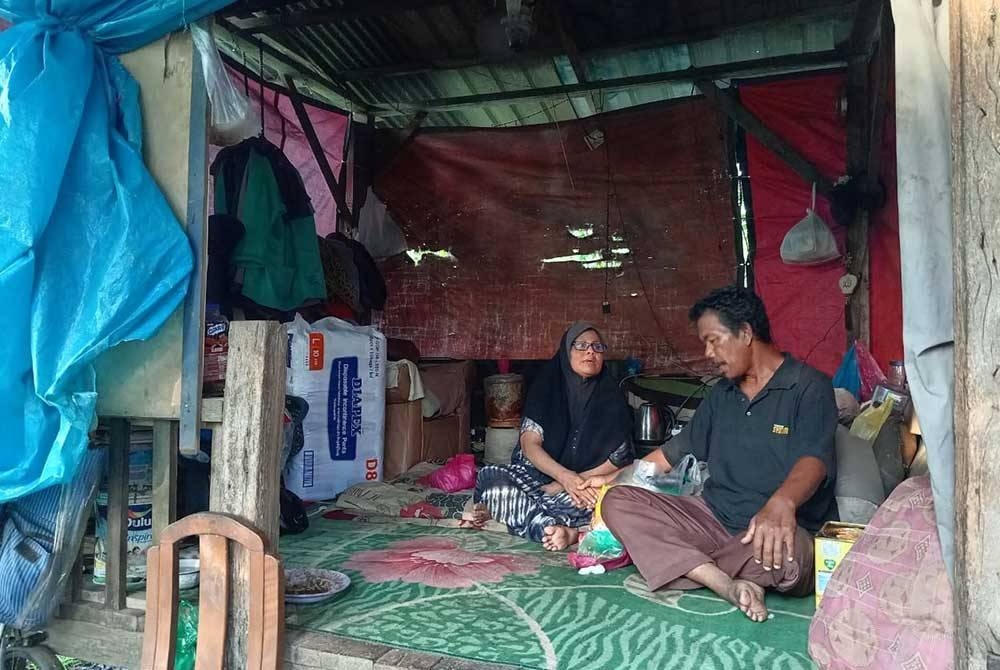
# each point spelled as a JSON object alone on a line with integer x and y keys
{"x": 585, "y": 420}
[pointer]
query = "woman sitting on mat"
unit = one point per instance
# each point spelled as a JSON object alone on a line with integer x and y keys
{"x": 576, "y": 425}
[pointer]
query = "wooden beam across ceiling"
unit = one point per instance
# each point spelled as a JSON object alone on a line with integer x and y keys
{"x": 735, "y": 110}
{"x": 429, "y": 61}
{"x": 727, "y": 70}
{"x": 352, "y": 10}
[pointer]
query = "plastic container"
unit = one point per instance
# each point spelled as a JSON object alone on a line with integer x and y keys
{"x": 504, "y": 400}
{"x": 140, "y": 513}
{"x": 216, "y": 351}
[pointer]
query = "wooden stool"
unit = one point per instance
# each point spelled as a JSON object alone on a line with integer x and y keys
{"x": 266, "y": 595}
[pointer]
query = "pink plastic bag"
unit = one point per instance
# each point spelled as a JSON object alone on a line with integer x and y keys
{"x": 458, "y": 474}
{"x": 868, "y": 370}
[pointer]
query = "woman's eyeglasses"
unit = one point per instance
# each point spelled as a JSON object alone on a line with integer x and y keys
{"x": 598, "y": 347}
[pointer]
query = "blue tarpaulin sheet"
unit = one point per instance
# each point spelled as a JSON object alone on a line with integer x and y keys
{"x": 91, "y": 255}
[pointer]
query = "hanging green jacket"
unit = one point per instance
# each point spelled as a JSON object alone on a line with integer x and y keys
{"x": 279, "y": 257}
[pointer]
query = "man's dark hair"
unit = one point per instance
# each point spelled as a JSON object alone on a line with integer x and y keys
{"x": 735, "y": 306}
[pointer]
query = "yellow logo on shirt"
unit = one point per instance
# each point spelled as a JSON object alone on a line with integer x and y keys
{"x": 778, "y": 429}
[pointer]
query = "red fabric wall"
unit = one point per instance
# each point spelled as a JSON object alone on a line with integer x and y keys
{"x": 805, "y": 304}
{"x": 501, "y": 201}
{"x": 883, "y": 248}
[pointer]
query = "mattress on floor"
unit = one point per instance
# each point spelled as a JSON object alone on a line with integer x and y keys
{"x": 494, "y": 597}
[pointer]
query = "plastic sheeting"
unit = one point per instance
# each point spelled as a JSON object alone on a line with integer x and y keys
{"x": 90, "y": 253}
{"x": 923, "y": 121}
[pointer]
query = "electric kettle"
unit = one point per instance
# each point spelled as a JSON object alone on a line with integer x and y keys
{"x": 650, "y": 425}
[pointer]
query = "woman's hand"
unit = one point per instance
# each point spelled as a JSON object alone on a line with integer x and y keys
{"x": 598, "y": 481}
{"x": 574, "y": 485}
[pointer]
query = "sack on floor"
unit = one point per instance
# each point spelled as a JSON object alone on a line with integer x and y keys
{"x": 458, "y": 474}
{"x": 338, "y": 369}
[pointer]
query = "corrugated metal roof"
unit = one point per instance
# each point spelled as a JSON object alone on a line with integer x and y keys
{"x": 359, "y": 49}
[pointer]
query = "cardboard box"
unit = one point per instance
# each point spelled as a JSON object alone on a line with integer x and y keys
{"x": 833, "y": 542}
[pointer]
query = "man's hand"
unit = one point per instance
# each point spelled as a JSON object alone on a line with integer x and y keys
{"x": 597, "y": 481}
{"x": 772, "y": 531}
{"x": 574, "y": 484}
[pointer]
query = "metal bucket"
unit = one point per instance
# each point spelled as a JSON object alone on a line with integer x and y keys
{"x": 504, "y": 400}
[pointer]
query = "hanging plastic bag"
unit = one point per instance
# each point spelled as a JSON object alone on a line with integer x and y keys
{"x": 234, "y": 118}
{"x": 847, "y": 376}
{"x": 869, "y": 423}
{"x": 687, "y": 478}
{"x": 40, "y": 537}
{"x": 810, "y": 241}
{"x": 458, "y": 474}
{"x": 868, "y": 370}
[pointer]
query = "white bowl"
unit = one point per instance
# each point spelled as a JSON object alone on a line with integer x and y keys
{"x": 187, "y": 573}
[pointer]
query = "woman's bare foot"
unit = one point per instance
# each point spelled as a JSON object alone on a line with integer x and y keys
{"x": 558, "y": 538}
{"x": 749, "y": 597}
{"x": 480, "y": 514}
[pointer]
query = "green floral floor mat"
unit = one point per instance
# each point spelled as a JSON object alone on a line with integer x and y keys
{"x": 496, "y": 598}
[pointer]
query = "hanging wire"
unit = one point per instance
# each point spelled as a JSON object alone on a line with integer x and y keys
{"x": 260, "y": 60}
{"x": 607, "y": 233}
{"x": 562, "y": 144}
{"x": 675, "y": 357}
{"x": 284, "y": 133}
{"x": 246, "y": 76}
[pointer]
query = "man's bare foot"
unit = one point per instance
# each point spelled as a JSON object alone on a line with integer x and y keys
{"x": 749, "y": 597}
{"x": 480, "y": 514}
{"x": 558, "y": 538}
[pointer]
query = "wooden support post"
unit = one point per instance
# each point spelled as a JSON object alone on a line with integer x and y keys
{"x": 245, "y": 470}
{"x": 975, "y": 118}
{"x": 749, "y": 122}
{"x": 116, "y": 542}
{"x": 317, "y": 148}
{"x": 865, "y": 112}
{"x": 165, "y": 443}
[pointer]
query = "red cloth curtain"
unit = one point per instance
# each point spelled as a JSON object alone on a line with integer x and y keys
{"x": 805, "y": 304}
{"x": 503, "y": 200}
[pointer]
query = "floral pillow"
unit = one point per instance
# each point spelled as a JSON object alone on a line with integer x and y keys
{"x": 889, "y": 603}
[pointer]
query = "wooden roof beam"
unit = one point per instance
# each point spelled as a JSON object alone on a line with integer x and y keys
{"x": 351, "y": 11}
{"x": 735, "y": 110}
{"x": 713, "y": 72}
{"x": 295, "y": 64}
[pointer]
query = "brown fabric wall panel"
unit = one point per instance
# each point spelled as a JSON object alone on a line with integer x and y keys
{"x": 502, "y": 201}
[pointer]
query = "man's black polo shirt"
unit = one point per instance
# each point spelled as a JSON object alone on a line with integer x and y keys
{"x": 751, "y": 446}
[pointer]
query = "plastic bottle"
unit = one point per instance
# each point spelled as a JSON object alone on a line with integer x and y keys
{"x": 216, "y": 351}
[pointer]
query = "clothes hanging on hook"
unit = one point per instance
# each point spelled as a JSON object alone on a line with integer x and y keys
{"x": 277, "y": 262}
